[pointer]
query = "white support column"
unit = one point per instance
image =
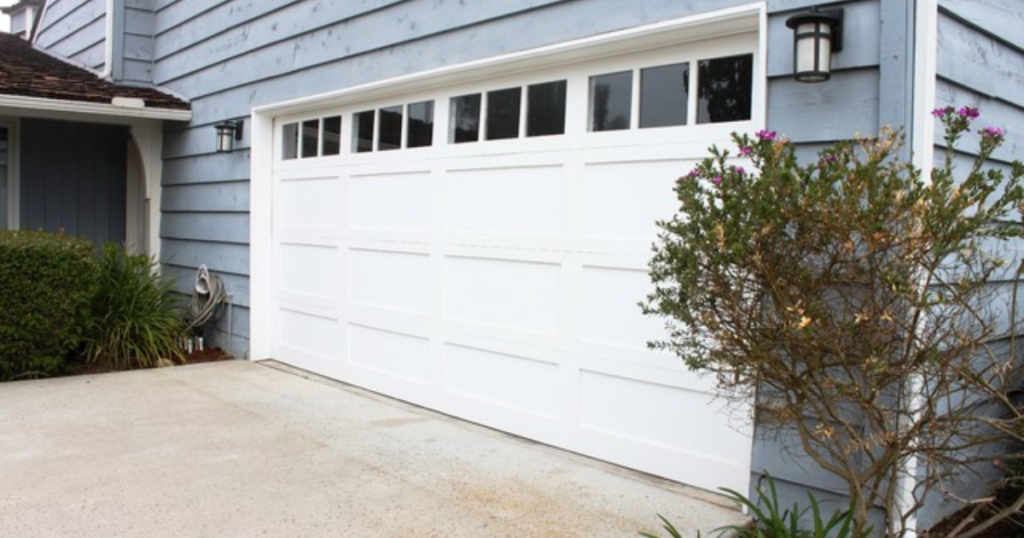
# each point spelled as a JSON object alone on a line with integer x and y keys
{"x": 148, "y": 137}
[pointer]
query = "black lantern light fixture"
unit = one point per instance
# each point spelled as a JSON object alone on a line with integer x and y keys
{"x": 816, "y": 35}
{"x": 227, "y": 133}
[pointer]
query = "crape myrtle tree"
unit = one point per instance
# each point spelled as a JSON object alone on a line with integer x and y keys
{"x": 853, "y": 300}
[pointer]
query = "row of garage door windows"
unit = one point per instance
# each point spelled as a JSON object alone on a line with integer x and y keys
{"x": 724, "y": 93}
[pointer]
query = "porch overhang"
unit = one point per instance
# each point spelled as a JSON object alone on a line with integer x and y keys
{"x": 130, "y": 110}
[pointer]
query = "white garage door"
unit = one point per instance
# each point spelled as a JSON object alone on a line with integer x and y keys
{"x": 480, "y": 249}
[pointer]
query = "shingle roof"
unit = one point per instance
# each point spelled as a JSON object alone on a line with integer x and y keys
{"x": 28, "y": 72}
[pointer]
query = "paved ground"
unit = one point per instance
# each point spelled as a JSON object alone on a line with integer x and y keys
{"x": 236, "y": 449}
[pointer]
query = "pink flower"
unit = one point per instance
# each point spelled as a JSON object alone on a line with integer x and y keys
{"x": 717, "y": 179}
{"x": 744, "y": 151}
{"x": 968, "y": 112}
{"x": 992, "y": 132}
{"x": 766, "y": 135}
{"x": 942, "y": 111}
{"x": 737, "y": 169}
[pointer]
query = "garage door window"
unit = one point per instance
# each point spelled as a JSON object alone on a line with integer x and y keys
{"x": 503, "y": 108}
{"x": 390, "y": 134}
{"x": 611, "y": 98}
{"x": 420, "y": 128}
{"x": 725, "y": 88}
{"x": 546, "y": 109}
{"x": 311, "y": 138}
{"x": 664, "y": 92}
{"x": 465, "y": 119}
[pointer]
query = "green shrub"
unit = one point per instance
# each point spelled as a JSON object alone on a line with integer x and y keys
{"x": 48, "y": 282}
{"x": 138, "y": 318}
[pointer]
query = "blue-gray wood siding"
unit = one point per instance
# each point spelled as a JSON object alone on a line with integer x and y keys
{"x": 73, "y": 177}
{"x": 980, "y": 63}
{"x": 133, "y": 56}
{"x": 76, "y": 30}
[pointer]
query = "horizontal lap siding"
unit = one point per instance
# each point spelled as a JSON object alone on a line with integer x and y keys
{"x": 136, "y": 54}
{"x": 980, "y": 61}
{"x": 76, "y": 30}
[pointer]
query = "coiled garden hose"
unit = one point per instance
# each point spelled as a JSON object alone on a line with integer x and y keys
{"x": 207, "y": 296}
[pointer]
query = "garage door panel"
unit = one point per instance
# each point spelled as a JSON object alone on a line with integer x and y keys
{"x": 396, "y": 354}
{"x": 508, "y": 294}
{"x": 505, "y": 201}
{"x": 609, "y": 309}
{"x": 624, "y": 200}
{"x": 312, "y": 203}
{"x": 389, "y": 279}
{"x": 511, "y": 381}
{"x": 393, "y": 202}
{"x": 312, "y": 334}
{"x": 311, "y": 270}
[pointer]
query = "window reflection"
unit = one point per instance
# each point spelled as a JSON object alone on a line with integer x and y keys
{"x": 290, "y": 141}
{"x": 611, "y": 97}
{"x": 664, "y": 93}
{"x": 465, "y": 118}
{"x": 389, "y": 136}
{"x": 503, "y": 108}
{"x": 362, "y": 141}
{"x": 725, "y": 87}
{"x": 332, "y": 136}
{"x": 420, "y": 128}
{"x": 310, "y": 138}
{"x": 545, "y": 109}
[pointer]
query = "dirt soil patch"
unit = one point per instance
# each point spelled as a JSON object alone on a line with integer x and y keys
{"x": 81, "y": 367}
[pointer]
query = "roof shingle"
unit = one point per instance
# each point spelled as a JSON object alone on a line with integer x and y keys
{"x": 28, "y": 72}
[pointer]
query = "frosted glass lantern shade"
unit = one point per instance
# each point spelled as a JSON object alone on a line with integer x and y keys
{"x": 816, "y": 35}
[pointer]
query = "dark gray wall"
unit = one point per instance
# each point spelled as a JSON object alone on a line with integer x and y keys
{"x": 73, "y": 178}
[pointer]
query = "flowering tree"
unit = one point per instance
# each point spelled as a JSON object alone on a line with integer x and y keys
{"x": 851, "y": 295}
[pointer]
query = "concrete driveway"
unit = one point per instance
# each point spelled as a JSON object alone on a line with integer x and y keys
{"x": 239, "y": 449}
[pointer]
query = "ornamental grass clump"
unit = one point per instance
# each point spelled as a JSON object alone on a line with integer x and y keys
{"x": 855, "y": 298}
{"x": 138, "y": 318}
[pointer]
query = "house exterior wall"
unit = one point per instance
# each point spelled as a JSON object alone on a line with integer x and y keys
{"x": 229, "y": 57}
{"x": 73, "y": 178}
{"x": 76, "y": 30}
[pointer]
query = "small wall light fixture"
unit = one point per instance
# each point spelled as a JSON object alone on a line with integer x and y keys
{"x": 816, "y": 35}
{"x": 227, "y": 133}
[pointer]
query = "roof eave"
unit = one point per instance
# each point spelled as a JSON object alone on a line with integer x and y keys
{"x": 101, "y": 109}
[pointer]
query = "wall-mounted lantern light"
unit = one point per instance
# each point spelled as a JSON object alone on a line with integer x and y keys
{"x": 816, "y": 35}
{"x": 227, "y": 133}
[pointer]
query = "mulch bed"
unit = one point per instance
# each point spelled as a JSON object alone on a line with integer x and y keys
{"x": 206, "y": 355}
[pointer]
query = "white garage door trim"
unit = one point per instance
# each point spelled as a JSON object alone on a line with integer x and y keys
{"x": 522, "y": 68}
